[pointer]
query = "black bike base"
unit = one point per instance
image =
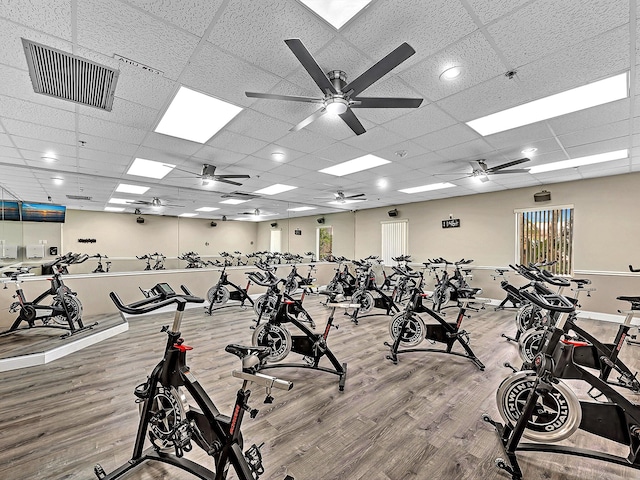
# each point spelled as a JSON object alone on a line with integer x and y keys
{"x": 342, "y": 372}
{"x": 209, "y": 309}
{"x": 393, "y": 356}
{"x": 512, "y": 467}
{"x": 151, "y": 454}
{"x": 59, "y": 327}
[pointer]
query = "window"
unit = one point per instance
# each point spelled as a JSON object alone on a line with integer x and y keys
{"x": 394, "y": 240}
{"x": 324, "y": 243}
{"x": 547, "y": 235}
{"x": 276, "y": 241}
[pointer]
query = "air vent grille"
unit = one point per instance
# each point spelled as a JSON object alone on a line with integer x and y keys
{"x": 79, "y": 197}
{"x": 62, "y": 75}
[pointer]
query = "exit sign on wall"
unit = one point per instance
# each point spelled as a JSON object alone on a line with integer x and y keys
{"x": 451, "y": 223}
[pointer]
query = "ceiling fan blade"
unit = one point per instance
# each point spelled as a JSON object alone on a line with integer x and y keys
{"x": 232, "y": 176}
{"x": 386, "y": 102}
{"x": 514, "y": 170}
{"x": 380, "y": 69}
{"x": 508, "y": 164}
{"x": 310, "y": 65}
{"x": 311, "y": 118}
{"x": 354, "y": 124}
{"x": 291, "y": 98}
{"x": 222, "y": 180}
{"x": 357, "y": 195}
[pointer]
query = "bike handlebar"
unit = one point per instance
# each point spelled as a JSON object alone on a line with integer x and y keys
{"x": 633, "y": 269}
{"x": 155, "y": 302}
{"x": 564, "y": 305}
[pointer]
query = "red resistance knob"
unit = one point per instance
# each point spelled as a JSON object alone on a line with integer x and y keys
{"x": 181, "y": 347}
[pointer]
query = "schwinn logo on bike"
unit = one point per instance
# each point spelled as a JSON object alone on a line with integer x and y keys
{"x": 550, "y": 414}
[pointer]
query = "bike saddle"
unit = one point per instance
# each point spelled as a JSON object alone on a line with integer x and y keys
{"x": 635, "y": 301}
{"x": 581, "y": 281}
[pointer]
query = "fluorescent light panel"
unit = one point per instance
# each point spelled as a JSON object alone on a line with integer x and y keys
{"x": 356, "y": 165}
{"x": 188, "y": 215}
{"x": 233, "y": 201}
{"x": 135, "y": 189}
{"x": 587, "y": 96}
{"x": 207, "y": 209}
{"x": 150, "y": 169}
{"x": 275, "y": 189}
{"x": 195, "y": 116}
{"x": 300, "y": 209}
{"x": 113, "y": 209}
{"x": 582, "y": 161}
{"x": 336, "y": 12}
{"x": 428, "y": 188}
{"x": 120, "y": 201}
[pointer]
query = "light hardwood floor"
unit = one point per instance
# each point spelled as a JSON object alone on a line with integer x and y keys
{"x": 419, "y": 419}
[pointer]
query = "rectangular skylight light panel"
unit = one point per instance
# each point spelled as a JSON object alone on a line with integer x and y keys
{"x": 188, "y": 215}
{"x": 233, "y": 201}
{"x": 428, "y": 188}
{"x": 149, "y": 168}
{"x": 207, "y": 209}
{"x": 275, "y": 189}
{"x": 300, "y": 209}
{"x": 135, "y": 189}
{"x": 120, "y": 201}
{"x": 336, "y": 12}
{"x": 579, "y": 162}
{"x": 356, "y": 165}
{"x": 195, "y": 116}
{"x": 587, "y": 96}
{"x": 344, "y": 202}
{"x": 114, "y": 209}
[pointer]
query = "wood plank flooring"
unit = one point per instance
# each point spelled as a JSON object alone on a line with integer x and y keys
{"x": 419, "y": 419}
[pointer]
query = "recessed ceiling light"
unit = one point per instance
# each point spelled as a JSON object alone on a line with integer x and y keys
{"x": 356, "y": 165}
{"x": 114, "y": 209}
{"x": 195, "y": 116}
{"x": 300, "y": 209}
{"x": 207, "y": 209}
{"x": 57, "y": 180}
{"x": 336, "y": 12}
{"x": 382, "y": 183}
{"x": 150, "y": 169}
{"x": 587, "y": 96}
{"x": 120, "y": 201}
{"x": 135, "y": 189}
{"x": 427, "y": 188}
{"x": 579, "y": 162}
{"x": 275, "y": 189}
{"x": 233, "y": 201}
{"x": 529, "y": 151}
{"x": 451, "y": 73}
{"x": 49, "y": 157}
{"x": 277, "y": 156}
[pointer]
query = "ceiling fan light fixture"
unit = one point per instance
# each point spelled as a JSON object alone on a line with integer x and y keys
{"x": 49, "y": 157}
{"x": 156, "y": 202}
{"x": 336, "y": 105}
{"x": 529, "y": 151}
{"x": 451, "y": 72}
{"x": 57, "y": 180}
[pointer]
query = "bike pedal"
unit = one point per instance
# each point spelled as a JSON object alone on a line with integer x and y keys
{"x": 99, "y": 471}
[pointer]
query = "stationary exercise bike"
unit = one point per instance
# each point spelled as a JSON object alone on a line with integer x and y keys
{"x": 364, "y": 297}
{"x": 312, "y": 346}
{"x": 172, "y": 425}
{"x": 294, "y": 280}
{"x": 219, "y": 294}
{"x": 100, "y": 268}
{"x": 64, "y": 312}
{"x": 537, "y": 405}
{"x": 408, "y": 329}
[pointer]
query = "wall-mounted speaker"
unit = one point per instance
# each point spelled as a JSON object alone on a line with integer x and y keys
{"x": 320, "y": 220}
{"x": 224, "y": 218}
{"x": 139, "y": 220}
{"x": 393, "y": 213}
{"x": 274, "y": 225}
{"x": 214, "y": 224}
{"x": 543, "y": 196}
{"x": 297, "y": 231}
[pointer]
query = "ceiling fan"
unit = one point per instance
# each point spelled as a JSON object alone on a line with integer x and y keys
{"x": 480, "y": 170}
{"x": 339, "y": 97}
{"x": 341, "y": 197}
{"x": 258, "y": 213}
{"x": 209, "y": 175}
{"x": 155, "y": 202}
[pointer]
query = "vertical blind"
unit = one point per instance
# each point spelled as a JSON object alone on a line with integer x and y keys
{"x": 547, "y": 235}
{"x": 276, "y": 238}
{"x": 394, "y": 240}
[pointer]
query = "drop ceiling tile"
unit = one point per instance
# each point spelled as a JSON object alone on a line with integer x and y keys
{"x": 289, "y": 154}
{"x": 12, "y": 50}
{"x": 312, "y": 162}
{"x": 607, "y": 172}
{"x": 566, "y": 175}
{"x": 172, "y": 145}
{"x": 591, "y": 60}
{"x": 107, "y": 160}
{"x": 540, "y": 28}
{"x": 97, "y": 127}
{"x": 254, "y": 31}
{"x": 533, "y": 135}
{"x": 134, "y": 35}
{"x": 236, "y": 142}
{"x": 16, "y": 83}
{"x": 305, "y": 141}
{"x": 36, "y": 113}
{"x": 4, "y": 139}
{"x": 288, "y": 174}
{"x": 374, "y": 139}
{"x": 43, "y": 146}
{"x": 53, "y": 17}
{"x": 604, "y": 146}
{"x": 591, "y": 117}
{"x": 144, "y": 87}
{"x": 596, "y": 134}
{"x": 410, "y": 148}
{"x": 126, "y": 113}
{"x": 605, "y": 166}
{"x": 430, "y": 160}
{"x": 16, "y": 128}
{"x": 8, "y": 152}
{"x": 339, "y": 152}
{"x": 251, "y": 163}
{"x": 492, "y": 96}
{"x": 427, "y": 30}
{"x": 474, "y": 54}
{"x": 489, "y": 10}
{"x": 258, "y": 125}
{"x": 192, "y": 15}
{"x": 475, "y": 148}
{"x": 286, "y": 111}
{"x": 217, "y": 156}
{"x": 447, "y": 137}
{"x": 423, "y": 120}
{"x": 108, "y": 145}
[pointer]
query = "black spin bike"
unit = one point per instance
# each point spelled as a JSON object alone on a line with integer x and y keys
{"x": 172, "y": 425}
{"x": 219, "y": 294}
